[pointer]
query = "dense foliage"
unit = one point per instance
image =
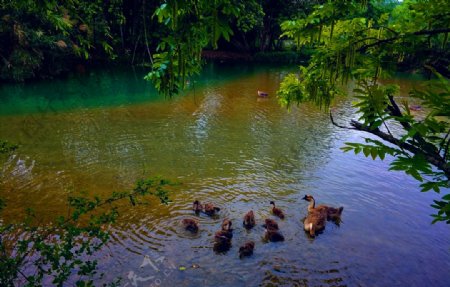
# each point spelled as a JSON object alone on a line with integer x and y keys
{"x": 40, "y": 39}
{"x": 367, "y": 43}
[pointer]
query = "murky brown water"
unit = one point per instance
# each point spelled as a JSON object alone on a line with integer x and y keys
{"x": 229, "y": 147}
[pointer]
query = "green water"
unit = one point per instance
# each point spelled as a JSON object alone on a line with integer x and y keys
{"x": 101, "y": 131}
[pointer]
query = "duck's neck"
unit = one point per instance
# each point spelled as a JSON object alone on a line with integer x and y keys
{"x": 311, "y": 205}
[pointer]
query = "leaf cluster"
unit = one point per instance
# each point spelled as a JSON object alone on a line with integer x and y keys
{"x": 64, "y": 251}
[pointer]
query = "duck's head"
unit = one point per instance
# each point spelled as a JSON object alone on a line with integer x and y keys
{"x": 273, "y": 203}
{"x": 226, "y": 224}
{"x": 308, "y": 197}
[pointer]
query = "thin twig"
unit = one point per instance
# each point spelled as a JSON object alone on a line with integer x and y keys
{"x": 418, "y": 33}
{"x": 433, "y": 159}
{"x": 443, "y": 142}
{"x": 145, "y": 33}
{"x": 338, "y": 125}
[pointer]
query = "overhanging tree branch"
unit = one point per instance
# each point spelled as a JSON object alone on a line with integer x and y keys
{"x": 433, "y": 159}
{"x": 418, "y": 33}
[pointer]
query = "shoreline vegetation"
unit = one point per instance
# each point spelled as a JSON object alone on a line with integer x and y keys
{"x": 78, "y": 66}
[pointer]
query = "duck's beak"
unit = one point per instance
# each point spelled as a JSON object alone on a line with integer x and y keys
{"x": 305, "y": 198}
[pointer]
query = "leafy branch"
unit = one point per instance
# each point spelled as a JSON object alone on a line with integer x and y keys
{"x": 58, "y": 250}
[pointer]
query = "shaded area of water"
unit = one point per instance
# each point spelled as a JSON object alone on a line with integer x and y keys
{"x": 229, "y": 147}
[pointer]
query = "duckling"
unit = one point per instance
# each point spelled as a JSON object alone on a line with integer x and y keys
{"x": 246, "y": 249}
{"x": 332, "y": 213}
{"x": 223, "y": 235}
{"x": 222, "y": 241}
{"x": 273, "y": 235}
{"x": 226, "y": 225}
{"x": 190, "y": 224}
{"x": 314, "y": 222}
{"x": 276, "y": 211}
{"x": 222, "y": 238}
{"x": 197, "y": 207}
{"x": 210, "y": 209}
{"x": 249, "y": 220}
{"x": 270, "y": 224}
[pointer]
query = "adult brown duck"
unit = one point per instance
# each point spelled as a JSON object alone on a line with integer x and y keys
{"x": 331, "y": 212}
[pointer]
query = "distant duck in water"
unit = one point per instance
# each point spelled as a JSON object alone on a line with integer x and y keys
{"x": 211, "y": 209}
{"x": 276, "y": 211}
{"x": 190, "y": 225}
{"x": 263, "y": 94}
{"x": 197, "y": 207}
{"x": 246, "y": 249}
{"x": 270, "y": 224}
{"x": 249, "y": 220}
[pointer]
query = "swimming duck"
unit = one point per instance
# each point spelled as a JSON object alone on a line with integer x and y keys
{"x": 197, "y": 207}
{"x": 276, "y": 211}
{"x": 222, "y": 241}
{"x": 270, "y": 224}
{"x": 222, "y": 238}
{"x": 263, "y": 94}
{"x": 211, "y": 209}
{"x": 332, "y": 213}
{"x": 249, "y": 219}
{"x": 190, "y": 224}
{"x": 246, "y": 249}
{"x": 273, "y": 235}
{"x": 316, "y": 219}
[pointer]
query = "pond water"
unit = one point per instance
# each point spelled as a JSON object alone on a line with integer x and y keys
{"x": 101, "y": 131}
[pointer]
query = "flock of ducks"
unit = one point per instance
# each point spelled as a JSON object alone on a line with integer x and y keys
{"x": 313, "y": 223}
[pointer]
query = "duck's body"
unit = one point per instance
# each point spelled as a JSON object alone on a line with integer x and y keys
{"x": 190, "y": 224}
{"x": 249, "y": 220}
{"x": 246, "y": 249}
{"x": 197, "y": 207}
{"x": 273, "y": 235}
{"x": 223, "y": 235}
{"x": 211, "y": 209}
{"x": 263, "y": 94}
{"x": 270, "y": 224}
{"x": 277, "y": 211}
{"x": 314, "y": 222}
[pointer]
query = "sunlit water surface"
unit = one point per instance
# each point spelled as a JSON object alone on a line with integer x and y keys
{"x": 102, "y": 131}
